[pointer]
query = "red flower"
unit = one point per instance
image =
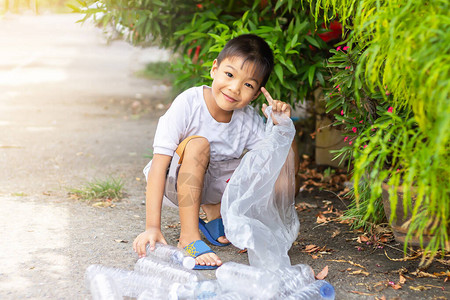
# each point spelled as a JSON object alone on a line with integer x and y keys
{"x": 338, "y": 48}
{"x": 350, "y": 142}
{"x": 390, "y": 109}
{"x": 342, "y": 112}
{"x": 346, "y": 138}
{"x": 345, "y": 48}
{"x": 354, "y": 129}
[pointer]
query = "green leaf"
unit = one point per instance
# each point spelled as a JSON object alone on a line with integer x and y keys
{"x": 279, "y": 72}
{"x": 311, "y": 73}
{"x": 278, "y": 5}
{"x": 290, "y": 65}
{"x": 218, "y": 38}
{"x": 312, "y": 41}
{"x": 320, "y": 78}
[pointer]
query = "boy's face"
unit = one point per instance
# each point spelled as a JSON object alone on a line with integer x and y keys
{"x": 235, "y": 84}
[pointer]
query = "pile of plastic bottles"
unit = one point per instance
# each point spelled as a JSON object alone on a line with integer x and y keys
{"x": 166, "y": 273}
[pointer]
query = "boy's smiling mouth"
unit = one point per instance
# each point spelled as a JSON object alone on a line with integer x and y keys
{"x": 228, "y": 98}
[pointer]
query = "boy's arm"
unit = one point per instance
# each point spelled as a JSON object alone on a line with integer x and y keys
{"x": 155, "y": 190}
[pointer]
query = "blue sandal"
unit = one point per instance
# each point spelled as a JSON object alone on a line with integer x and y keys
{"x": 213, "y": 230}
{"x": 196, "y": 249}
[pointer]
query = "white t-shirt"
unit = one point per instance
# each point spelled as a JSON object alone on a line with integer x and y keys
{"x": 188, "y": 115}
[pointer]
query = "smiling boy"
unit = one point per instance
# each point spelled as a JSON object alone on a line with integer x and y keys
{"x": 200, "y": 141}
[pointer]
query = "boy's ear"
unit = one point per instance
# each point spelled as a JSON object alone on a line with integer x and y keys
{"x": 214, "y": 68}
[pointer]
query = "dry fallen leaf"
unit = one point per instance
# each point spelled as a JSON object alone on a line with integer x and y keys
{"x": 419, "y": 288}
{"x": 103, "y": 204}
{"x": 335, "y": 233}
{"x": 402, "y": 279}
{"x": 362, "y": 293}
{"x": 404, "y": 258}
{"x": 121, "y": 241}
{"x": 379, "y": 286}
{"x": 363, "y": 238}
{"x": 384, "y": 239}
{"x": 306, "y": 205}
{"x": 311, "y": 248}
{"x": 322, "y": 274}
{"x": 446, "y": 273}
{"x": 360, "y": 272}
{"x": 242, "y": 251}
{"x": 396, "y": 286}
{"x": 400, "y": 271}
{"x": 321, "y": 218}
{"x": 421, "y": 274}
{"x": 348, "y": 261}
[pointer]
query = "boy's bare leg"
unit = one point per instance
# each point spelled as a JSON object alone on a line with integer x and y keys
{"x": 189, "y": 191}
{"x": 212, "y": 212}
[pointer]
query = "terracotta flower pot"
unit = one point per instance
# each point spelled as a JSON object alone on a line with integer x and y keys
{"x": 400, "y": 225}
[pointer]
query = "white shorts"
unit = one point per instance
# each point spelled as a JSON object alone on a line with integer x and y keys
{"x": 216, "y": 178}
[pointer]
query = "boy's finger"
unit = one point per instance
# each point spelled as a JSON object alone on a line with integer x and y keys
{"x": 142, "y": 251}
{"x": 152, "y": 245}
{"x": 267, "y": 95}
{"x": 263, "y": 108}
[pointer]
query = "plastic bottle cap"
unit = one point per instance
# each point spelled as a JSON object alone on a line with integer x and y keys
{"x": 188, "y": 262}
{"x": 327, "y": 291}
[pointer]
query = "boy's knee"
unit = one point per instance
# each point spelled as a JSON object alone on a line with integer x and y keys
{"x": 198, "y": 149}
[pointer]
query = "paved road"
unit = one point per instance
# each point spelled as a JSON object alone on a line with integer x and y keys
{"x": 71, "y": 110}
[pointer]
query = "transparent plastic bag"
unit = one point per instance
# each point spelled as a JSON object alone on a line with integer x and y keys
{"x": 258, "y": 204}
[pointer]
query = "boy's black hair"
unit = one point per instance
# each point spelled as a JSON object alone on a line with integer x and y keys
{"x": 251, "y": 48}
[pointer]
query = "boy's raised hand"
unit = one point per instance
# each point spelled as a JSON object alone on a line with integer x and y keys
{"x": 277, "y": 106}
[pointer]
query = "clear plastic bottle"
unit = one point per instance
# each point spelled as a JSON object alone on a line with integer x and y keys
{"x": 247, "y": 280}
{"x": 102, "y": 287}
{"x": 231, "y": 296}
{"x": 201, "y": 290}
{"x": 171, "y": 254}
{"x": 318, "y": 290}
{"x": 152, "y": 295}
{"x": 128, "y": 283}
{"x": 293, "y": 278}
{"x": 175, "y": 273}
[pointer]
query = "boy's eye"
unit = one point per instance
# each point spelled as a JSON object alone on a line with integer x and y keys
{"x": 248, "y": 85}
{"x": 228, "y": 74}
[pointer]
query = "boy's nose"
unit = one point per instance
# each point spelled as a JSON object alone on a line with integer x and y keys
{"x": 234, "y": 87}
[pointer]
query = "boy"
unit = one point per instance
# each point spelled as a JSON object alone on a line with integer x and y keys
{"x": 199, "y": 142}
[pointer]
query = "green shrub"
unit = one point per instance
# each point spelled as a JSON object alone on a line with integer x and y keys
{"x": 398, "y": 84}
{"x": 197, "y": 31}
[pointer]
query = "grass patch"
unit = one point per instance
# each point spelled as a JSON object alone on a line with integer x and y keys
{"x": 149, "y": 154}
{"x": 107, "y": 189}
{"x": 159, "y": 70}
{"x": 20, "y": 194}
{"x": 358, "y": 212}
